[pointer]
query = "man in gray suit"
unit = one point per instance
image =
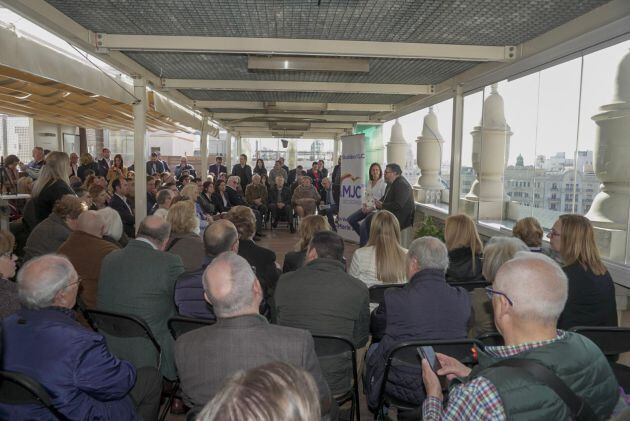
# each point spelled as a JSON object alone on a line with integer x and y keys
{"x": 241, "y": 339}
{"x": 140, "y": 280}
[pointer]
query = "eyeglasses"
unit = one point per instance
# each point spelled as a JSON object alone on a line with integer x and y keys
{"x": 553, "y": 233}
{"x": 491, "y": 292}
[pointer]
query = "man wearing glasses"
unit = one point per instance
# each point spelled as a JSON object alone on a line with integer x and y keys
{"x": 398, "y": 197}
{"x": 528, "y": 295}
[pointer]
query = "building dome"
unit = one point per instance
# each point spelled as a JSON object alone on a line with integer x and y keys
{"x": 494, "y": 111}
{"x": 430, "y": 128}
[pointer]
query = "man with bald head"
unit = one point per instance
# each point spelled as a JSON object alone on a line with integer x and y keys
{"x": 86, "y": 249}
{"x": 140, "y": 280}
{"x": 44, "y": 341}
{"x": 241, "y": 338}
{"x": 219, "y": 237}
{"x": 528, "y": 295}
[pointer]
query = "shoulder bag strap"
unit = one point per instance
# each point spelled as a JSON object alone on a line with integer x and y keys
{"x": 172, "y": 244}
{"x": 580, "y": 409}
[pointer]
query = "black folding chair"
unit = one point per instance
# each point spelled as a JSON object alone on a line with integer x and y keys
{"x": 119, "y": 329}
{"x": 612, "y": 341}
{"x": 469, "y": 286}
{"x": 180, "y": 325}
{"x": 405, "y": 353}
{"x": 491, "y": 339}
{"x": 20, "y": 389}
{"x": 377, "y": 292}
{"x": 334, "y": 345}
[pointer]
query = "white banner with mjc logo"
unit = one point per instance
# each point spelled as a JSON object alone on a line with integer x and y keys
{"x": 352, "y": 182}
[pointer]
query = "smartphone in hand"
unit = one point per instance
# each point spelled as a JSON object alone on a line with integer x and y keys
{"x": 428, "y": 354}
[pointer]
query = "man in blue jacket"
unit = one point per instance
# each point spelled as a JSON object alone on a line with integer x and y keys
{"x": 45, "y": 342}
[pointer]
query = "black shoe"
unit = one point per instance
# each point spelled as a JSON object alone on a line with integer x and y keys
{"x": 292, "y": 229}
{"x": 274, "y": 224}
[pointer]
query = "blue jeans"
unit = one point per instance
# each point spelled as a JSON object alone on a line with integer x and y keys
{"x": 354, "y": 220}
{"x": 364, "y": 234}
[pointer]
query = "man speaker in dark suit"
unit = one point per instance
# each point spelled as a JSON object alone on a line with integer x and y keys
{"x": 120, "y": 204}
{"x": 241, "y": 339}
{"x": 398, "y": 197}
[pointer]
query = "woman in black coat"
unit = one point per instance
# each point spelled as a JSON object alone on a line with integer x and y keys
{"x": 52, "y": 183}
{"x": 464, "y": 249}
{"x": 205, "y": 198}
{"x": 591, "y": 298}
{"x": 220, "y": 198}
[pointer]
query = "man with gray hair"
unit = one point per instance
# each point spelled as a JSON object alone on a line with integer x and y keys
{"x": 140, "y": 280}
{"x": 44, "y": 341}
{"x": 236, "y": 199}
{"x": 241, "y": 339}
{"x": 218, "y": 238}
{"x": 427, "y": 308}
{"x": 528, "y": 295}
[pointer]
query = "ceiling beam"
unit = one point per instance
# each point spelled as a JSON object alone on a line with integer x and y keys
{"x": 319, "y": 118}
{"x": 309, "y": 64}
{"x": 302, "y": 106}
{"x": 289, "y": 134}
{"x": 309, "y": 47}
{"x": 293, "y": 86}
{"x": 337, "y": 126}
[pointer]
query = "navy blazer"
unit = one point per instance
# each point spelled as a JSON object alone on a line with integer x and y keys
{"x": 216, "y": 169}
{"x": 217, "y": 201}
{"x": 159, "y": 167}
{"x": 126, "y": 215}
{"x": 235, "y": 198}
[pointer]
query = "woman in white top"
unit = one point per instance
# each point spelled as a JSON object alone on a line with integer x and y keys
{"x": 375, "y": 189}
{"x": 383, "y": 260}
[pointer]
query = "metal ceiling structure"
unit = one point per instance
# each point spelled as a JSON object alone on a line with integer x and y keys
{"x": 311, "y": 68}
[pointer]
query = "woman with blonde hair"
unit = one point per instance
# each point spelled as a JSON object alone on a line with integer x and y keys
{"x": 185, "y": 240}
{"x": 271, "y": 392}
{"x": 87, "y": 166}
{"x": 191, "y": 192}
{"x": 383, "y": 259}
{"x": 464, "y": 249}
{"x": 308, "y": 227}
{"x": 591, "y": 300}
{"x": 530, "y": 232}
{"x": 53, "y": 182}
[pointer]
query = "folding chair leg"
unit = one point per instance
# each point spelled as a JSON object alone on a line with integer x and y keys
{"x": 169, "y": 401}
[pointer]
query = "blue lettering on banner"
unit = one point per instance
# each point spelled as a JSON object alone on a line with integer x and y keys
{"x": 351, "y": 191}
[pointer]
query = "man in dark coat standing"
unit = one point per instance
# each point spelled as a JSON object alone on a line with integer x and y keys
{"x": 243, "y": 171}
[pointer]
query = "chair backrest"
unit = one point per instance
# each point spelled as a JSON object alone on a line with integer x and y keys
{"x": 328, "y": 345}
{"x": 180, "y": 325}
{"x": 121, "y": 330}
{"x": 612, "y": 340}
{"x": 469, "y": 286}
{"x": 377, "y": 292}
{"x": 20, "y": 389}
{"x": 491, "y": 339}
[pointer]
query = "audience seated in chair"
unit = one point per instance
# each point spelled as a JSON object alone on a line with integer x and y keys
{"x": 464, "y": 249}
{"x": 280, "y": 203}
{"x": 44, "y": 341}
{"x": 497, "y": 251}
{"x": 140, "y": 280}
{"x": 219, "y": 237}
{"x": 427, "y": 308}
{"x": 383, "y": 259}
{"x": 114, "y": 232}
{"x": 120, "y": 203}
{"x": 311, "y": 224}
{"x": 184, "y": 240}
{"x": 323, "y": 298}
{"x": 241, "y": 339}
{"x": 86, "y": 249}
{"x": 305, "y": 198}
{"x": 262, "y": 259}
{"x": 528, "y": 295}
{"x": 328, "y": 206}
{"x": 256, "y": 195}
{"x": 236, "y": 199}
{"x": 49, "y": 234}
{"x": 591, "y": 300}
{"x": 530, "y": 232}
{"x": 164, "y": 199}
{"x": 273, "y": 391}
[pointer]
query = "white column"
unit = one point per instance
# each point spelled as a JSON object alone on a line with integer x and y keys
{"x": 429, "y": 158}
{"x": 397, "y": 146}
{"x": 456, "y": 150}
{"x": 139, "y": 148}
{"x": 610, "y": 209}
{"x": 491, "y": 143}
{"x": 336, "y": 149}
{"x": 228, "y": 152}
{"x": 203, "y": 147}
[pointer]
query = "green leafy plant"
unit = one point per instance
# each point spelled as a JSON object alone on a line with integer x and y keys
{"x": 428, "y": 227}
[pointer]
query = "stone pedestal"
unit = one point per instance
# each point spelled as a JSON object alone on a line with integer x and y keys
{"x": 292, "y": 154}
{"x": 397, "y": 146}
{"x": 491, "y": 142}
{"x": 429, "y": 159}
